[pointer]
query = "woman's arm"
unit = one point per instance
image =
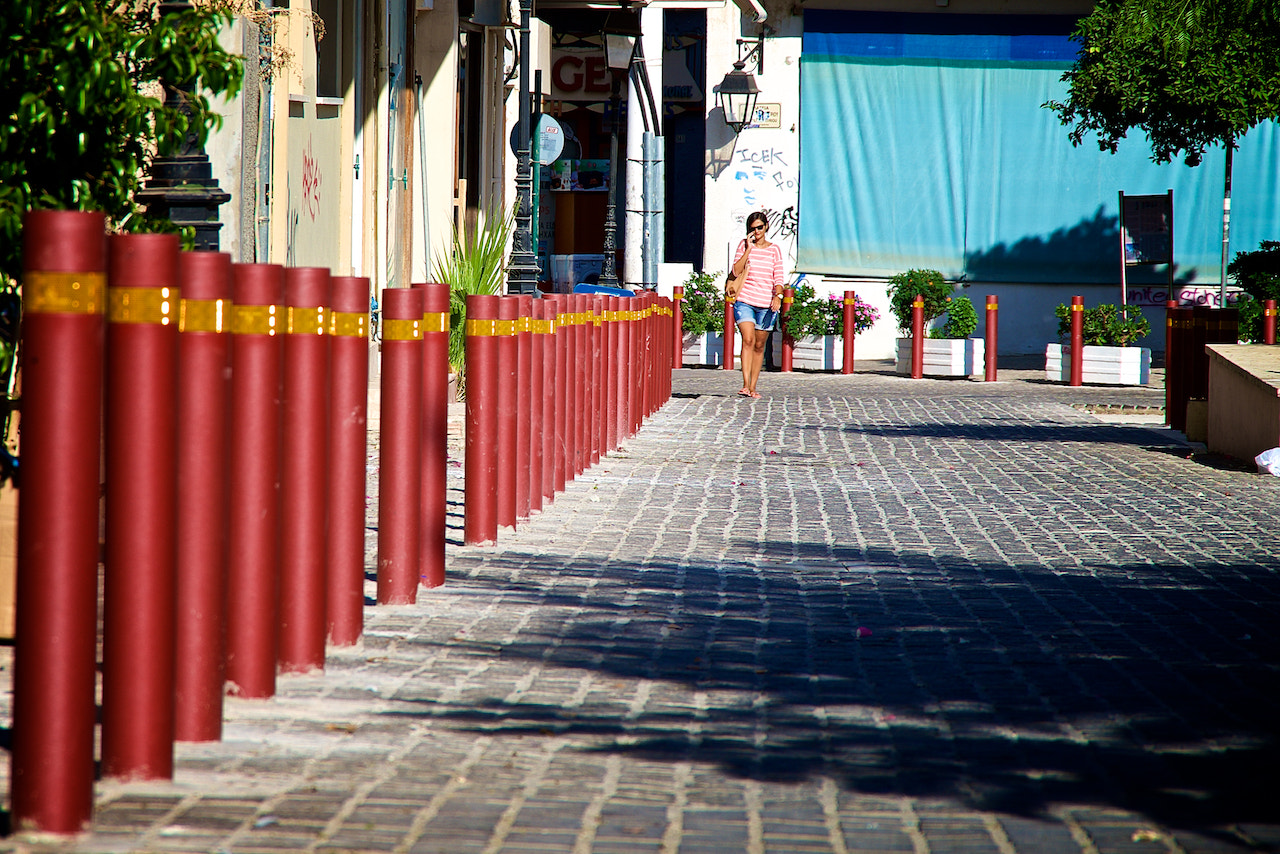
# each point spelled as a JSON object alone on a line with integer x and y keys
{"x": 740, "y": 262}
{"x": 778, "y": 281}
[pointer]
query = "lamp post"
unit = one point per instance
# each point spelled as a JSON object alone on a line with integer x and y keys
{"x": 737, "y": 95}
{"x": 522, "y": 274}
{"x": 181, "y": 187}
{"x": 618, "y": 47}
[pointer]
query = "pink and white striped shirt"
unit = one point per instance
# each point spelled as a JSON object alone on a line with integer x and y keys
{"x": 764, "y": 273}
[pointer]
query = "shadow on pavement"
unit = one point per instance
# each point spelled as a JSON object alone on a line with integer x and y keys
{"x": 1143, "y": 687}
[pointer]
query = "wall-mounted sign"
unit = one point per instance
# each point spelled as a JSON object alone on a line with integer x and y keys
{"x": 546, "y": 144}
{"x": 767, "y": 116}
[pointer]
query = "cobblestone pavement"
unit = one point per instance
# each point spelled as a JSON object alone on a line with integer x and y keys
{"x": 860, "y": 614}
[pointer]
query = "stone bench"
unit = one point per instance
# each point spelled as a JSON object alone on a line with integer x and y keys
{"x": 1244, "y": 399}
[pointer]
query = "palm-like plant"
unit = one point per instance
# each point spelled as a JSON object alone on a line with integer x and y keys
{"x": 472, "y": 266}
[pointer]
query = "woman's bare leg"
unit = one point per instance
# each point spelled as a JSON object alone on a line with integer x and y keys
{"x": 758, "y": 339}
{"x": 747, "y": 333}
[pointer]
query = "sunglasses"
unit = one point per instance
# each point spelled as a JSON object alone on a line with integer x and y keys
{"x": 757, "y": 228}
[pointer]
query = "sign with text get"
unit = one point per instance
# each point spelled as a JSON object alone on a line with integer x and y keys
{"x": 580, "y": 74}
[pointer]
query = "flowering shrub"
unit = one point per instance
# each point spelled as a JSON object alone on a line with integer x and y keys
{"x": 812, "y": 315}
{"x": 962, "y": 319}
{"x": 703, "y": 305}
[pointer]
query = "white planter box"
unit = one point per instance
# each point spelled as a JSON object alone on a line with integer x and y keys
{"x": 944, "y": 357}
{"x": 706, "y": 348}
{"x": 812, "y": 352}
{"x": 1100, "y": 365}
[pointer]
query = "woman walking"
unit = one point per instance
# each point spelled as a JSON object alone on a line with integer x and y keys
{"x": 757, "y": 301}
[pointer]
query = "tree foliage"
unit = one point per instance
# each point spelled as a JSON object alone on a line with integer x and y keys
{"x": 1189, "y": 73}
{"x": 82, "y": 108}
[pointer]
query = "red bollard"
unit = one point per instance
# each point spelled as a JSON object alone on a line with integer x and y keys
{"x": 992, "y": 336}
{"x": 400, "y": 448}
{"x": 537, "y": 427}
{"x": 569, "y": 328}
{"x": 139, "y": 579}
{"x": 677, "y": 326}
{"x": 848, "y": 324}
{"x": 611, "y": 338}
{"x": 545, "y": 438}
{"x": 435, "y": 432}
{"x": 1077, "y": 341}
{"x": 253, "y": 528}
{"x": 730, "y": 326}
{"x": 480, "y": 517}
{"x": 581, "y": 382}
{"x": 917, "y": 337}
{"x": 635, "y": 369}
{"x": 204, "y": 397}
{"x": 348, "y": 441}
{"x": 64, "y": 295}
{"x": 524, "y": 404}
{"x": 304, "y": 470}
{"x": 621, "y": 360}
{"x": 1170, "y": 366}
{"x": 508, "y": 408}
{"x": 597, "y": 334}
{"x": 562, "y": 389}
{"x": 1269, "y": 322}
{"x": 788, "y": 340}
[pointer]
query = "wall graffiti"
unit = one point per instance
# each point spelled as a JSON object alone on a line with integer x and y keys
{"x": 311, "y": 180}
{"x": 1185, "y": 296}
{"x": 763, "y": 178}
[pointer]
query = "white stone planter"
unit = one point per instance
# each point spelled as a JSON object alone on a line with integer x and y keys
{"x": 944, "y": 357}
{"x": 812, "y": 352}
{"x": 1100, "y": 365}
{"x": 706, "y": 348}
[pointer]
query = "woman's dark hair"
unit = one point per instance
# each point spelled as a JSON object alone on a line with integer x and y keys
{"x": 757, "y": 215}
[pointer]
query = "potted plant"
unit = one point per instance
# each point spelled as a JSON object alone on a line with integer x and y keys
{"x": 1107, "y": 358}
{"x": 702, "y": 312}
{"x": 474, "y": 265}
{"x": 948, "y": 349}
{"x": 816, "y": 328}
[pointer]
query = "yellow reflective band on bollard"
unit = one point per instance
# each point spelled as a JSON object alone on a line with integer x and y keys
{"x": 157, "y": 306}
{"x": 1075, "y": 307}
{"x": 481, "y": 327}
{"x": 349, "y": 324}
{"x": 435, "y": 321}
{"x": 991, "y": 306}
{"x": 850, "y": 302}
{"x": 505, "y": 328}
{"x": 255, "y": 319}
{"x": 203, "y": 315}
{"x": 401, "y": 330}
{"x": 64, "y": 293}
{"x": 917, "y": 304}
{"x": 307, "y": 320}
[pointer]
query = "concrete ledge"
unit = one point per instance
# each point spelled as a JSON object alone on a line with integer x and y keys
{"x": 1244, "y": 399}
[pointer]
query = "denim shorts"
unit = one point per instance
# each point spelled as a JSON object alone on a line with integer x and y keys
{"x": 763, "y": 318}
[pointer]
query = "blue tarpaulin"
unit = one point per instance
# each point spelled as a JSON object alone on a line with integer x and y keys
{"x": 924, "y": 144}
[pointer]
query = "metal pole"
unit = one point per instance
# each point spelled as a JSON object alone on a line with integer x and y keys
{"x": 522, "y": 274}
{"x": 609, "y": 274}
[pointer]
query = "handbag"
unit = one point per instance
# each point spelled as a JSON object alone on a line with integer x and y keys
{"x": 733, "y": 284}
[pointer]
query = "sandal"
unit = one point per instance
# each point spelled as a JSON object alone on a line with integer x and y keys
{"x": 755, "y": 395}
{"x": 745, "y": 392}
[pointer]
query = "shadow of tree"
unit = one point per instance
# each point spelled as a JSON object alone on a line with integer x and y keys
{"x": 1085, "y": 252}
{"x": 1001, "y": 687}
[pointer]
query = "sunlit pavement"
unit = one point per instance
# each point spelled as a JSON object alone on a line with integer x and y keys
{"x": 859, "y": 614}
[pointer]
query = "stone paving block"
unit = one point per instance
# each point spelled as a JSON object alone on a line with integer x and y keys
{"x": 1060, "y": 612}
